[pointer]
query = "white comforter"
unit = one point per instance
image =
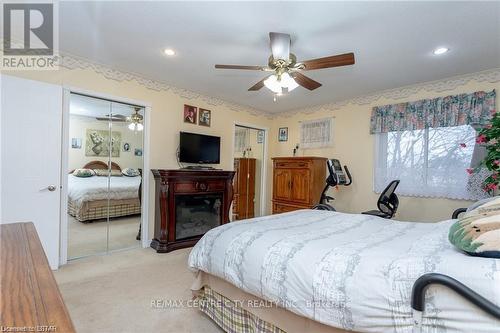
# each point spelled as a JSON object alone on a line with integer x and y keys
{"x": 350, "y": 271}
{"x": 96, "y": 188}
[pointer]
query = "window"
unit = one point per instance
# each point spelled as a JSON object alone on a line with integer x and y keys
{"x": 430, "y": 162}
{"x": 316, "y": 133}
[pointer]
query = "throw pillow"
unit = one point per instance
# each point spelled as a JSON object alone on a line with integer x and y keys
{"x": 83, "y": 173}
{"x": 477, "y": 232}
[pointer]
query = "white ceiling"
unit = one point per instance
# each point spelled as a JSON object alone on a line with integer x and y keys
{"x": 95, "y": 107}
{"x": 392, "y": 42}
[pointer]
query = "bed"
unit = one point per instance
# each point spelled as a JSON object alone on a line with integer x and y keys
{"x": 323, "y": 271}
{"x": 88, "y": 197}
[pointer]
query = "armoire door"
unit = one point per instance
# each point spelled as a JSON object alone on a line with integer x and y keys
{"x": 282, "y": 184}
{"x": 31, "y": 158}
{"x": 300, "y": 185}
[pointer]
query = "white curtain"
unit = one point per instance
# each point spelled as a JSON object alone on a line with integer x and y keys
{"x": 429, "y": 162}
{"x": 316, "y": 133}
{"x": 241, "y": 139}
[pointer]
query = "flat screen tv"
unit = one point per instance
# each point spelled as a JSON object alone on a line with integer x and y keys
{"x": 198, "y": 148}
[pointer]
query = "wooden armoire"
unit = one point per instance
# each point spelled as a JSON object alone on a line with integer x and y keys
{"x": 244, "y": 188}
{"x": 297, "y": 182}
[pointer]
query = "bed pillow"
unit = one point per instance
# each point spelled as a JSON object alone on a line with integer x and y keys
{"x": 105, "y": 172}
{"x": 130, "y": 172}
{"x": 477, "y": 232}
{"x": 83, "y": 173}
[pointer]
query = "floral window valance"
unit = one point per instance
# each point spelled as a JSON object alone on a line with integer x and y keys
{"x": 474, "y": 109}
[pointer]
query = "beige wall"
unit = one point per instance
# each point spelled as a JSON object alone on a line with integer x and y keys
{"x": 78, "y": 126}
{"x": 166, "y": 116}
{"x": 354, "y": 146}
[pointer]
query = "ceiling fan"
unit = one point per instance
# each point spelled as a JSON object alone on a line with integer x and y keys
{"x": 286, "y": 71}
{"x": 135, "y": 119}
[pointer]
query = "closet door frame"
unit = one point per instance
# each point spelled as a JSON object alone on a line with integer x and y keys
{"x": 67, "y": 90}
{"x": 263, "y": 173}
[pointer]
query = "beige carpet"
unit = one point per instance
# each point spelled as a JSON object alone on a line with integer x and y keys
{"x": 90, "y": 238}
{"x": 113, "y": 293}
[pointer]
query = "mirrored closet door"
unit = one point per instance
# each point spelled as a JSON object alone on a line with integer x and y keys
{"x": 247, "y": 183}
{"x": 104, "y": 176}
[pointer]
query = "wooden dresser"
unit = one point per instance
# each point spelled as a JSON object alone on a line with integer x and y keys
{"x": 30, "y": 299}
{"x": 297, "y": 182}
{"x": 244, "y": 188}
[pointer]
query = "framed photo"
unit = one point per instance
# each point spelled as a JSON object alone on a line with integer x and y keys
{"x": 283, "y": 134}
{"x": 126, "y": 146}
{"x": 205, "y": 117}
{"x": 190, "y": 114}
{"x": 260, "y": 136}
{"x": 138, "y": 152}
{"x": 76, "y": 143}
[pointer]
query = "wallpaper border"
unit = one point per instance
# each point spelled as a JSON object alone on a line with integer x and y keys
{"x": 491, "y": 76}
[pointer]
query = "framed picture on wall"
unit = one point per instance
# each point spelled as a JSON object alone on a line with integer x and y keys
{"x": 260, "y": 136}
{"x": 205, "y": 117}
{"x": 126, "y": 146}
{"x": 283, "y": 134}
{"x": 138, "y": 152}
{"x": 76, "y": 143}
{"x": 190, "y": 114}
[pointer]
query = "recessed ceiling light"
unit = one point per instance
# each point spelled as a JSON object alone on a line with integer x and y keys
{"x": 441, "y": 50}
{"x": 169, "y": 52}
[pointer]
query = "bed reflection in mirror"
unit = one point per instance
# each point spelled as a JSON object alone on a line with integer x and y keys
{"x": 104, "y": 176}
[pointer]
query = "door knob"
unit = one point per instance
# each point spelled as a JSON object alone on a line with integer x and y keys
{"x": 51, "y": 188}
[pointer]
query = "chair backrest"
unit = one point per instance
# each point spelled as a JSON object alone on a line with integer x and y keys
{"x": 388, "y": 201}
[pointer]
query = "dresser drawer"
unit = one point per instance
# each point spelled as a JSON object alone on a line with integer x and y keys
{"x": 291, "y": 164}
{"x": 282, "y": 208}
{"x": 202, "y": 185}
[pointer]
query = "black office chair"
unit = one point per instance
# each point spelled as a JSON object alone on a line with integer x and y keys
{"x": 387, "y": 202}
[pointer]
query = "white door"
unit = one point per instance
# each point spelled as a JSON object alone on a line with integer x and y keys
{"x": 31, "y": 118}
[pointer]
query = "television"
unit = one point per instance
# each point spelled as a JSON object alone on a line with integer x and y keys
{"x": 199, "y": 148}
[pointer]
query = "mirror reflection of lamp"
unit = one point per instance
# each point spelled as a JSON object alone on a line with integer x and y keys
{"x": 136, "y": 121}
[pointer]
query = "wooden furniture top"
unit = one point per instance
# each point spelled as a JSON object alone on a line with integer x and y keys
{"x": 299, "y": 158}
{"x": 29, "y": 297}
{"x": 191, "y": 173}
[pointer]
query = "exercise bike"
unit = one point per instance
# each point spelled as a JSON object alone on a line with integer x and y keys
{"x": 336, "y": 177}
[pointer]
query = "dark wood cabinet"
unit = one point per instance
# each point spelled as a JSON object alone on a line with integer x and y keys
{"x": 297, "y": 182}
{"x": 188, "y": 204}
{"x": 244, "y": 188}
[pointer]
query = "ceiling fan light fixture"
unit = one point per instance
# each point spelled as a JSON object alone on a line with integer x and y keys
{"x": 278, "y": 86}
{"x": 288, "y": 82}
{"x": 273, "y": 84}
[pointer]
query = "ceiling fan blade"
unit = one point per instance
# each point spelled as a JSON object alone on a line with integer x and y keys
{"x": 258, "y": 85}
{"x": 327, "y": 62}
{"x": 280, "y": 45}
{"x": 305, "y": 82}
{"x": 252, "y": 68}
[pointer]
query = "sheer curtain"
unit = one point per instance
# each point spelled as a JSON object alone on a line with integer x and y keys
{"x": 241, "y": 139}
{"x": 429, "y": 162}
{"x": 316, "y": 133}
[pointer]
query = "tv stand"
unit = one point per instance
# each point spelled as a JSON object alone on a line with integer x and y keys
{"x": 198, "y": 167}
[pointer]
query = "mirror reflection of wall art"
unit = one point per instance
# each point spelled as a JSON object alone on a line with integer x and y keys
{"x": 138, "y": 152}
{"x": 126, "y": 146}
{"x": 190, "y": 114}
{"x": 97, "y": 143}
{"x": 283, "y": 134}
{"x": 76, "y": 143}
{"x": 205, "y": 117}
